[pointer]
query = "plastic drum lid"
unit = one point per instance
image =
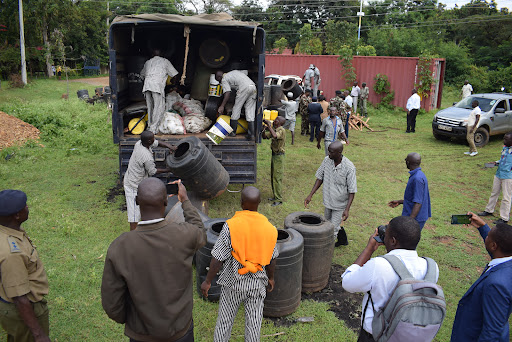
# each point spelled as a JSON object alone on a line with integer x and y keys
{"x": 136, "y": 129}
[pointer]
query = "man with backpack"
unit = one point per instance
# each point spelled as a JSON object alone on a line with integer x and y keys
{"x": 392, "y": 307}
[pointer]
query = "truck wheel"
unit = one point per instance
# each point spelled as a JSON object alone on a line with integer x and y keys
{"x": 481, "y": 137}
{"x": 440, "y": 137}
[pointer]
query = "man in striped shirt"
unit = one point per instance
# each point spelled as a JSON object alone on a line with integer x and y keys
{"x": 338, "y": 175}
{"x": 247, "y": 248}
{"x": 141, "y": 166}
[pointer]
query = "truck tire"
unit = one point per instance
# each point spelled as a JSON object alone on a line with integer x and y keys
{"x": 481, "y": 137}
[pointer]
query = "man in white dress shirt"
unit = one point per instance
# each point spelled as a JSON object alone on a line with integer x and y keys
{"x": 356, "y": 91}
{"x": 155, "y": 74}
{"x": 377, "y": 275}
{"x": 290, "y": 113}
{"x": 413, "y": 106}
{"x": 467, "y": 89}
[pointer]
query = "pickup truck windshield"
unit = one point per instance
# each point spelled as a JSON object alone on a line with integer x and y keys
{"x": 484, "y": 104}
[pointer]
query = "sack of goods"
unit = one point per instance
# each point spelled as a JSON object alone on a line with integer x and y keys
{"x": 172, "y": 123}
{"x": 170, "y": 99}
{"x": 196, "y": 123}
{"x": 186, "y": 107}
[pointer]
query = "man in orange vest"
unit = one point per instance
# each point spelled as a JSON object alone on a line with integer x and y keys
{"x": 247, "y": 248}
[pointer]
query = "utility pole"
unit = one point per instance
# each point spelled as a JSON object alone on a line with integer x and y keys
{"x": 360, "y": 14}
{"x": 22, "y": 45}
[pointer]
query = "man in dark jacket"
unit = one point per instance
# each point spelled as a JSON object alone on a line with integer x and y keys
{"x": 314, "y": 111}
{"x": 483, "y": 312}
{"x": 147, "y": 280}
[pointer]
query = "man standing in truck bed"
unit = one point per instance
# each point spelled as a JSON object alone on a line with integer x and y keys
{"x": 245, "y": 97}
{"x": 155, "y": 74}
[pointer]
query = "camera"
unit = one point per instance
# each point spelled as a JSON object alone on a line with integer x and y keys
{"x": 381, "y": 232}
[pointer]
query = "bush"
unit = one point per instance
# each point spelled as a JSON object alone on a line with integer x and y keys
{"x": 382, "y": 87}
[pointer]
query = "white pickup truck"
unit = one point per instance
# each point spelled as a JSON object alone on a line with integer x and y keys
{"x": 496, "y": 118}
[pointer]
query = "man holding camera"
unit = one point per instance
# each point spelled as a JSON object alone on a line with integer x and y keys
{"x": 377, "y": 276}
{"x": 483, "y": 312}
{"x": 416, "y": 202}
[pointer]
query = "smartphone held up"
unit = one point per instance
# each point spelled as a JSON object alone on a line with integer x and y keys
{"x": 461, "y": 219}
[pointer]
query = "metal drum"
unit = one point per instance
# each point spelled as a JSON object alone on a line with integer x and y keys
{"x": 318, "y": 248}
{"x": 285, "y": 298}
{"x": 204, "y": 257}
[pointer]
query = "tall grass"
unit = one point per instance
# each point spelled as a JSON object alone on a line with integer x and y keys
{"x": 69, "y": 172}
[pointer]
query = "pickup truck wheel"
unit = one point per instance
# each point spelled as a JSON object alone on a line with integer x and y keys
{"x": 481, "y": 137}
{"x": 440, "y": 137}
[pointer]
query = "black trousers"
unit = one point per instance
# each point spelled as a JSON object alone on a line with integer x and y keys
{"x": 411, "y": 120}
{"x": 314, "y": 129}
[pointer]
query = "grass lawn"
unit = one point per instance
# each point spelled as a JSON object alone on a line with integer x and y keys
{"x": 69, "y": 173}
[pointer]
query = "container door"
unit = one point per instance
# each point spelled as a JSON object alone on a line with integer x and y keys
{"x": 117, "y": 123}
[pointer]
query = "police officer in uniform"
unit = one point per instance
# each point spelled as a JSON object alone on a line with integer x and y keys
{"x": 23, "y": 281}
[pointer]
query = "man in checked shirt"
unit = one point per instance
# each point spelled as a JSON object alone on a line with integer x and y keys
{"x": 248, "y": 271}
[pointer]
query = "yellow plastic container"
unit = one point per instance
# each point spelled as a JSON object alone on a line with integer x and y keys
{"x": 242, "y": 124}
{"x": 140, "y": 126}
{"x": 273, "y": 115}
{"x": 266, "y": 114}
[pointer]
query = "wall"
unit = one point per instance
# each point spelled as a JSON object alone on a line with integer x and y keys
{"x": 401, "y": 72}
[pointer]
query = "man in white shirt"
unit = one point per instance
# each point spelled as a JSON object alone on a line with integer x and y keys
{"x": 355, "y": 95}
{"x": 349, "y": 102}
{"x": 154, "y": 73}
{"x": 246, "y": 93}
{"x": 473, "y": 119}
{"x": 377, "y": 276}
{"x": 290, "y": 113}
{"x": 309, "y": 78}
{"x": 467, "y": 89}
{"x": 413, "y": 106}
{"x": 317, "y": 80}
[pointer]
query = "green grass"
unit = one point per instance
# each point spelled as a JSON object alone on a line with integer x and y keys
{"x": 68, "y": 175}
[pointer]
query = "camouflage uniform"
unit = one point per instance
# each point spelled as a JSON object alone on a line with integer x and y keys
{"x": 341, "y": 108}
{"x": 303, "y": 110}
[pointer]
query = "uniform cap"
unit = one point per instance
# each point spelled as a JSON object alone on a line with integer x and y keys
{"x": 12, "y": 202}
{"x": 290, "y": 95}
{"x": 314, "y": 98}
{"x": 311, "y": 66}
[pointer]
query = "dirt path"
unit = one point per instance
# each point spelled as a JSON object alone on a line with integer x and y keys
{"x": 96, "y": 81}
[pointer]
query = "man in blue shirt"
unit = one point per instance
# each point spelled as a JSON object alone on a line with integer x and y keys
{"x": 483, "y": 312}
{"x": 502, "y": 183}
{"x": 416, "y": 202}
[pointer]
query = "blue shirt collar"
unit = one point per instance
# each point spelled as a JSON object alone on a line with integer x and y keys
{"x": 414, "y": 171}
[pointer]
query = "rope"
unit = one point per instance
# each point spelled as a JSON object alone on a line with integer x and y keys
{"x": 186, "y": 34}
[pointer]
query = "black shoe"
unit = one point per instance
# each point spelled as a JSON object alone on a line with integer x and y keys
{"x": 276, "y": 203}
{"x": 234, "y": 126}
{"x": 500, "y": 220}
{"x": 342, "y": 238}
{"x": 407, "y": 131}
{"x": 485, "y": 213}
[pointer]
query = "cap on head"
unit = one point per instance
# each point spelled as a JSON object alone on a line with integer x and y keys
{"x": 314, "y": 98}
{"x": 311, "y": 66}
{"x": 338, "y": 92}
{"x": 290, "y": 95}
{"x": 12, "y": 202}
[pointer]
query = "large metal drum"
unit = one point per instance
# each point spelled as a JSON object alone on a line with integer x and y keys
{"x": 318, "y": 248}
{"x": 198, "y": 168}
{"x": 285, "y": 298}
{"x": 204, "y": 256}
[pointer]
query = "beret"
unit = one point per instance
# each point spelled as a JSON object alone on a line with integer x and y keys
{"x": 12, "y": 202}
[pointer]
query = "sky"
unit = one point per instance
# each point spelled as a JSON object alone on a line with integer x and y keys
{"x": 448, "y": 3}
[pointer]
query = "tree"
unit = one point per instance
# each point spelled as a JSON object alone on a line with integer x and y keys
{"x": 249, "y": 10}
{"x": 308, "y": 43}
{"x": 209, "y": 6}
{"x": 281, "y": 44}
{"x": 339, "y": 33}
